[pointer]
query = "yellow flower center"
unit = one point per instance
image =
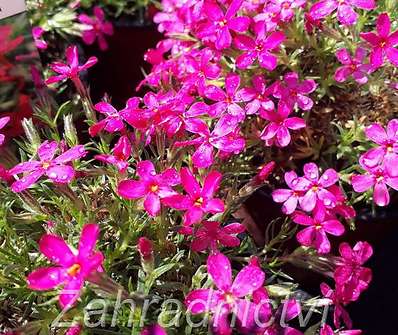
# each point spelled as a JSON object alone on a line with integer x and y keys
{"x": 154, "y": 188}
{"x": 74, "y": 270}
{"x": 199, "y": 202}
{"x": 229, "y": 298}
{"x": 45, "y": 165}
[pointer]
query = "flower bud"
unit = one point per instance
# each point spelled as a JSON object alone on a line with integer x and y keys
{"x": 145, "y": 248}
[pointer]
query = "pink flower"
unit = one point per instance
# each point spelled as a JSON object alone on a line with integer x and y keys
{"x": 341, "y": 208}
{"x": 230, "y": 99}
{"x": 199, "y": 200}
{"x": 382, "y": 43}
{"x": 350, "y": 275}
{"x": 293, "y": 92}
{"x": 327, "y": 330}
{"x": 37, "y": 33}
{"x": 210, "y": 235}
{"x": 317, "y": 227}
{"x": 317, "y": 191}
{"x": 345, "y": 13}
{"x": 287, "y": 7}
{"x": 258, "y": 49}
{"x": 153, "y": 330}
{"x": 289, "y": 197}
{"x": 277, "y": 130}
{"x": 3, "y": 123}
{"x": 56, "y": 169}
{"x": 120, "y": 155}
{"x": 113, "y": 121}
{"x": 151, "y": 186}
{"x": 386, "y": 152}
{"x": 261, "y": 100}
{"x": 338, "y": 300}
{"x": 71, "y": 69}
{"x": 264, "y": 172}
{"x": 219, "y": 25}
{"x": 352, "y": 66}
{"x": 224, "y": 137}
{"x": 229, "y": 296}
{"x": 378, "y": 178}
{"x": 72, "y": 268}
{"x": 97, "y": 28}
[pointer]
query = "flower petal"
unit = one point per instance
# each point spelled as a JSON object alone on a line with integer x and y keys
{"x": 249, "y": 279}
{"x": 219, "y": 268}
{"x": 131, "y": 189}
{"x": 88, "y": 239}
{"x": 61, "y": 174}
{"x": 71, "y": 292}
{"x": 56, "y": 250}
{"x": 44, "y": 279}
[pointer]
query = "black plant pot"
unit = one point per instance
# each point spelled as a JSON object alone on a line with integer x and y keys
{"x": 120, "y": 68}
{"x": 375, "y": 311}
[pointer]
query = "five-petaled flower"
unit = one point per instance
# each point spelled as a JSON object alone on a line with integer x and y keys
{"x": 97, "y": 28}
{"x": 199, "y": 200}
{"x": 229, "y": 296}
{"x": 317, "y": 227}
{"x": 72, "y": 69}
{"x": 151, "y": 186}
{"x": 352, "y": 66}
{"x": 345, "y": 13}
{"x": 59, "y": 170}
{"x": 211, "y": 234}
{"x": 386, "y": 153}
{"x": 382, "y": 43}
{"x": 73, "y": 267}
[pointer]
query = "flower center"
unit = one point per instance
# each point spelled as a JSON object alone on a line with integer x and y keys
{"x": 318, "y": 226}
{"x": 379, "y": 178}
{"x": 383, "y": 44}
{"x": 74, "y": 270}
{"x": 154, "y": 188}
{"x": 46, "y": 165}
{"x": 286, "y": 5}
{"x": 199, "y": 202}
{"x": 315, "y": 188}
{"x": 222, "y": 23}
{"x": 390, "y": 148}
{"x": 259, "y": 47}
{"x": 229, "y": 298}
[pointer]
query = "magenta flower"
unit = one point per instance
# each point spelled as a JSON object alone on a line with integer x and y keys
{"x": 74, "y": 330}
{"x": 230, "y": 99}
{"x": 199, "y": 200}
{"x": 338, "y": 300}
{"x": 97, "y": 28}
{"x": 317, "y": 192}
{"x": 290, "y": 197}
{"x": 350, "y": 275}
{"x": 151, "y": 186}
{"x": 260, "y": 49}
{"x": 327, "y": 330}
{"x": 58, "y": 170}
{"x": 72, "y": 268}
{"x": 379, "y": 179}
{"x": 219, "y": 25}
{"x": 317, "y": 227}
{"x": 153, "y": 330}
{"x": 352, "y": 66}
{"x": 386, "y": 152}
{"x": 261, "y": 100}
{"x": 382, "y": 43}
{"x": 211, "y": 234}
{"x": 113, "y": 121}
{"x": 3, "y": 122}
{"x": 224, "y": 137}
{"x": 229, "y": 296}
{"x": 120, "y": 155}
{"x": 277, "y": 130}
{"x": 37, "y": 33}
{"x": 345, "y": 12}
{"x": 293, "y": 92}
{"x": 72, "y": 69}
{"x": 203, "y": 69}
{"x": 341, "y": 208}
{"x": 287, "y": 7}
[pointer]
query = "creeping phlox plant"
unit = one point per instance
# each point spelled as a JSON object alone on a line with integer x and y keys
{"x": 139, "y": 210}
